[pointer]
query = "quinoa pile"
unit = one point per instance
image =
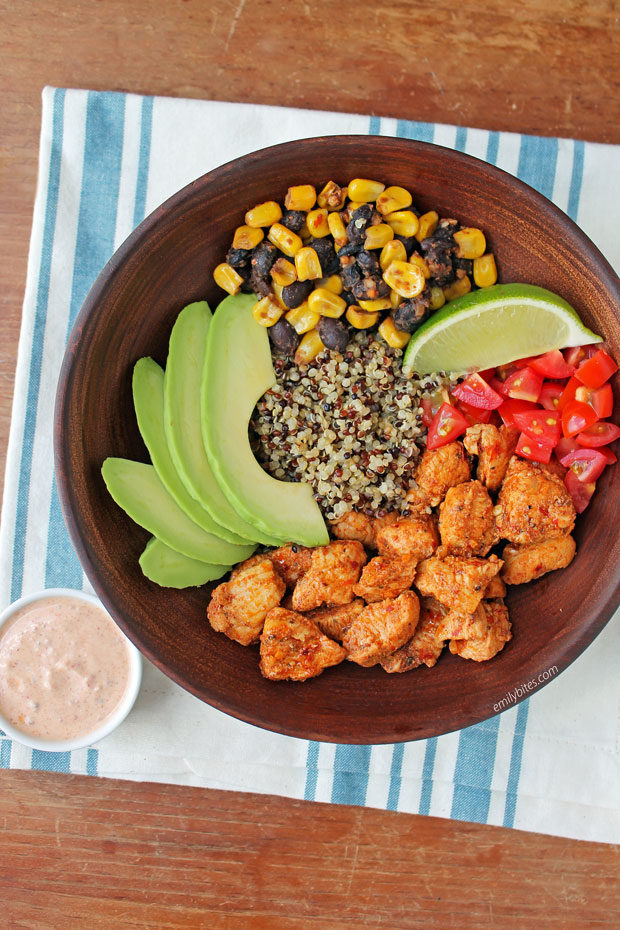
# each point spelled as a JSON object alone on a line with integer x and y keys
{"x": 349, "y": 424}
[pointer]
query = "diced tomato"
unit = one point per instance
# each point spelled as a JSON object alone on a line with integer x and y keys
{"x": 487, "y": 373}
{"x": 588, "y": 464}
{"x": 542, "y": 425}
{"x": 498, "y": 385}
{"x": 552, "y": 365}
{"x": 577, "y": 416}
{"x": 430, "y": 404}
{"x": 580, "y": 492}
{"x": 568, "y": 394}
{"x": 550, "y": 395}
{"x": 524, "y": 384}
{"x": 447, "y": 425}
{"x": 476, "y": 392}
{"x": 598, "y": 434}
{"x": 600, "y": 399}
{"x": 564, "y": 447}
{"x": 504, "y": 371}
{"x": 610, "y": 456}
{"x": 524, "y": 362}
{"x": 495, "y": 419}
{"x": 532, "y": 449}
{"x": 473, "y": 414}
{"x": 596, "y": 370}
{"x": 574, "y": 356}
{"x": 510, "y": 407}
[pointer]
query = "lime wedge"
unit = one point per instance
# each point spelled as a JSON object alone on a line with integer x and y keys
{"x": 494, "y": 326}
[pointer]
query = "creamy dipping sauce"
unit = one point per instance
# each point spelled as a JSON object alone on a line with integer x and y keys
{"x": 64, "y": 668}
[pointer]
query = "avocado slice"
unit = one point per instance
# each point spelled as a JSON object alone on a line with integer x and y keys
{"x": 136, "y": 488}
{"x": 170, "y": 569}
{"x": 148, "y": 401}
{"x": 182, "y": 422}
{"x": 237, "y": 373}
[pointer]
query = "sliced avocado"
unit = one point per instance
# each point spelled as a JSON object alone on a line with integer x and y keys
{"x": 137, "y": 489}
{"x": 148, "y": 401}
{"x": 170, "y": 569}
{"x": 182, "y": 422}
{"x": 237, "y": 373}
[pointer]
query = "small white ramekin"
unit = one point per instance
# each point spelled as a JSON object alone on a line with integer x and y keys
{"x": 131, "y": 692}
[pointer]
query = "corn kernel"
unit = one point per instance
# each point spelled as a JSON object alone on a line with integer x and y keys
{"x": 301, "y": 197}
{"x": 267, "y": 311}
{"x": 303, "y": 319}
{"x": 337, "y": 229}
{"x": 363, "y": 190}
{"x": 310, "y": 346}
{"x": 393, "y": 336}
{"x": 333, "y": 283}
{"x": 416, "y": 259}
{"x": 277, "y": 293}
{"x": 247, "y": 237}
{"x": 305, "y": 233}
{"x": 457, "y": 289}
{"x": 485, "y": 270}
{"x": 396, "y": 300}
{"x": 379, "y": 303}
{"x": 392, "y": 251}
{"x": 353, "y": 205}
{"x": 403, "y": 222}
{"x": 227, "y": 278}
{"x": 378, "y": 236}
{"x": 264, "y": 214}
{"x": 307, "y": 265}
{"x": 332, "y": 196}
{"x": 427, "y": 224}
{"x": 285, "y": 240}
{"x": 393, "y": 198}
{"x": 283, "y": 272}
{"x": 404, "y": 278}
{"x": 471, "y": 242}
{"x": 438, "y": 298}
{"x": 361, "y": 319}
{"x": 326, "y": 302}
{"x": 316, "y": 221}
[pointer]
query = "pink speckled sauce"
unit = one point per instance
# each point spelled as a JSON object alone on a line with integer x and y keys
{"x": 64, "y": 668}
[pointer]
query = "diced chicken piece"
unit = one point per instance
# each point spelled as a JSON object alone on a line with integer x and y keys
{"x": 439, "y": 469}
{"x": 458, "y": 583}
{"x": 293, "y": 648}
{"x": 494, "y": 448}
{"x": 355, "y": 525}
{"x": 381, "y": 629}
{"x": 380, "y": 522}
{"x": 238, "y": 607}
{"x": 466, "y": 520}
{"x": 555, "y": 468}
{"x": 425, "y": 646}
{"x": 524, "y": 563}
{"x": 385, "y": 578}
{"x": 495, "y": 588}
{"x": 532, "y": 505}
{"x": 413, "y": 537}
{"x": 334, "y": 621}
{"x": 334, "y": 569}
{"x": 291, "y": 562}
{"x": 457, "y": 625}
{"x": 253, "y": 560}
{"x": 497, "y": 634}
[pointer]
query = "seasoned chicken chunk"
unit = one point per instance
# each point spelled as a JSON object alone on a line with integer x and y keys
{"x": 293, "y": 648}
{"x": 494, "y": 448}
{"x": 456, "y": 582}
{"x": 253, "y": 560}
{"x": 425, "y": 646}
{"x": 238, "y": 607}
{"x": 524, "y": 563}
{"x": 385, "y": 578}
{"x": 497, "y": 634}
{"x": 532, "y": 505}
{"x": 334, "y": 621}
{"x": 495, "y": 588}
{"x": 456, "y": 625}
{"x": 466, "y": 521}
{"x": 357, "y": 526}
{"x": 291, "y": 562}
{"x": 334, "y": 569}
{"x": 413, "y": 537}
{"x": 381, "y": 629}
{"x": 439, "y": 469}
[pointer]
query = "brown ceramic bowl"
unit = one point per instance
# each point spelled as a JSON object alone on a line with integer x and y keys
{"x": 168, "y": 262}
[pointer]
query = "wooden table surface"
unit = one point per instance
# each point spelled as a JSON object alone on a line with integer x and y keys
{"x": 77, "y": 851}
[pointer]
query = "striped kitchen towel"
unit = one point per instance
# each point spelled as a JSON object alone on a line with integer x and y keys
{"x": 551, "y": 763}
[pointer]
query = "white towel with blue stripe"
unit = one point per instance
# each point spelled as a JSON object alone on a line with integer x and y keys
{"x": 550, "y": 764}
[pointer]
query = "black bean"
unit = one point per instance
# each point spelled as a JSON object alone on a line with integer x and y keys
{"x": 327, "y": 255}
{"x": 237, "y": 257}
{"x": 293, "y": 220}
{"x": 285, "y": 340}
{"x": 293, "y": 295}
{"x": 363, "y": 212}
{"x": 464, "y": 265}
{"x": 260, "y": 286}
{"x": 370, "y": 287}
{"x": 368, "y": 262}
{"x": 263, "y": 258}
{"x": 349, "y": 299}
{"x": 334, "y": 334}
{"x": 350, "y": 275}
{"x": 410, "y": 314}
{"x": 410, "y": 243}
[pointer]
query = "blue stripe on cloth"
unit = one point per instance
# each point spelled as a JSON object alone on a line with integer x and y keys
{"x": 537, "y": 163}
{"x": 103, "y": 150}
{"x": 146, "y": 125}
{"x": 374, "y": 128}
{"x": 492, "y": 148}
{"x": 515, "y": 764}
{"x": 5, "y": 752}
{"x": 395, "y": 777}
{"x": 312, "y": 771}
{"x": 422, "y": 132}
{"x": 461, "y": 139}
{"x": 427, "y": 775}
{"x": 576, "y": 180}
{"x": 351, "y": 770}
{"x": 45, "y": 761}
{"x": 92, "y": 761}
{"x": 473, "y": 771}
{"x": 49, "y": 225}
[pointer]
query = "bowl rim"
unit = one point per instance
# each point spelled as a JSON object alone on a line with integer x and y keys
{"x": 573, "y": 645}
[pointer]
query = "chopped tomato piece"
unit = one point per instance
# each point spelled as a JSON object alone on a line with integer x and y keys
{"x": 564, "y": 446}
{"x": 568, "y": 394}
{"x": 447, "y": 425}
{"x": 596, "y": 370}
{"x": 601, "y": 399}
{"x": 552, "y": 365}
{"x": 503, "y": 371}
{"x": 550, "y": 395}
{"x": 476, "y": 392}
{"x": 510, "y": 407}
{"x": 524, "y": 362}
{"x": 487, "y": 373}
{"x": 532, "y": 449}
{"x": 598, "y": 434}
{"x": 610, "y": 457}
{"x": 498, "y": 385}
{"x": 577, "y": 416}
{"x": 542, "y": 425}
{"x": 524, "y": 384}
{"x": 587, "y": 464}
{"x": 579, "y": 491}
{"x": 473, "y": 414}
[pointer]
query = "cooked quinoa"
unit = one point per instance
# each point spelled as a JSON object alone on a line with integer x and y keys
{"x": 349, "y": 424}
